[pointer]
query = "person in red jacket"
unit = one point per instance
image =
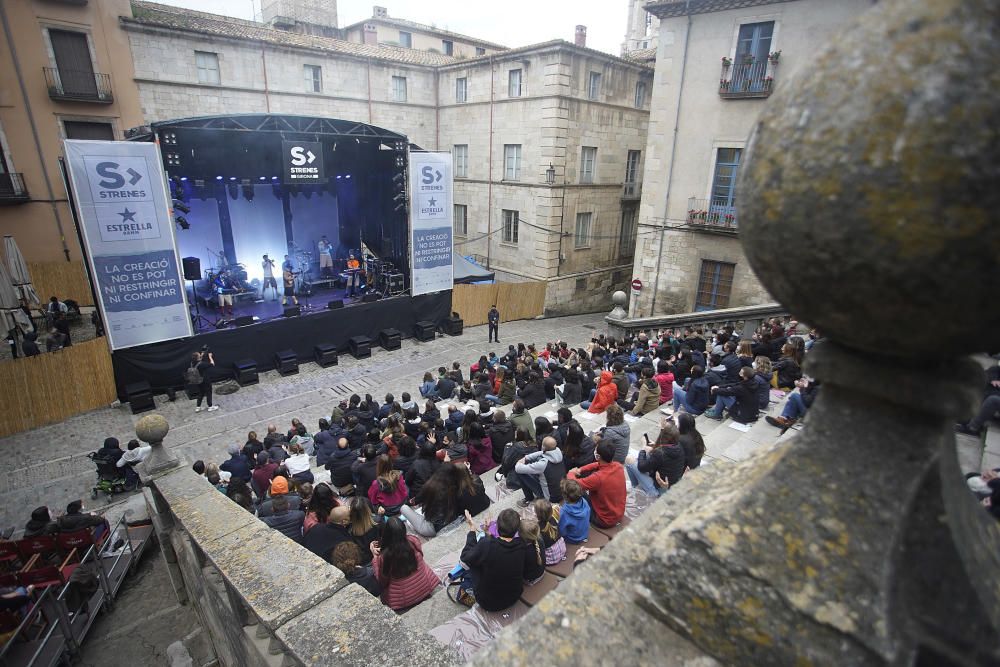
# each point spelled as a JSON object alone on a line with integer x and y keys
{"x": 604, "y": 480}
{"x": 607, "y": 394}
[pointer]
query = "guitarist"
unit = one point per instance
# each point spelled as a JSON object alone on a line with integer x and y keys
{"x": 288, "y": 275}
{"x": 224, "y": 292}
{"x": 353, "y": 275}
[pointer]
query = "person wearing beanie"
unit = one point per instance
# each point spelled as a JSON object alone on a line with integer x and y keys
{"x": 237, "y": 465}
{"x": 279, "y": 487}
{"x": 41, "y": 523}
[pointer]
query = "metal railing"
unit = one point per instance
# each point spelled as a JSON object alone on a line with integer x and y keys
{"x": 632, "y": 190}
{"x": 749, "y": 316}
{"x": 12, "y": 188}
{"x": 747, "y": 79}
{"x": 78, "y": 85}
{"x": 703, "y": 213}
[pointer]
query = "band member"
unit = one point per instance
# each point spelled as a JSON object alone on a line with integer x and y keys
{"x": 325, "y": 249}
{"x": 269, "y": 281}
{"x": 223, "y": 291}
{"x": 353, "y": 275}
{"x": 288, "y": 276}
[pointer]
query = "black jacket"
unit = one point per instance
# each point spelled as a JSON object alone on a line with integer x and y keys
{"x": 356, "y": 436}
{"x": 288, "y": 523}
{"x": 418, "y": 474}
{"x": 551, "y": 382}
{"x": 733, "y": 366}
{"x": 326, "y": 444}
{"x": 340, "y": 466}
{"x": 237, "y": 466}
{"x": 668, "y": 460}
{"x": 364, "y": 475}
{"x": 572, "y": 393}
{"x": 744, "y": 410}
{"x": 323, "y": 538}
{"x": 533, "y": 395}
{"x": 501, "y": 435}
{"x": 445, "y": 387}
{"x": 788, "y": 372}
{"x": 500, "y": 569}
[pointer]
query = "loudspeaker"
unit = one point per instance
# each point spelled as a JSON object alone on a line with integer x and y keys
{"x": 371, "y": 296}
{"x": 192, "y": 268}
{"x": 395, "y": 282}
{"x": 139, "y": 396}
{"x": 243, "y": 320}
{"x": 292, "y": 311}
{"x": 424, "y": 330}
{"x": 389, "y": 339}
{"x": 361, "y": 346}
{"x": 246, "y": 372}
{"x": 286, "y": 362}
{"x": 325, "y": 354}
{"x": 334, "y": 305}
{"x": 453, "y": 325}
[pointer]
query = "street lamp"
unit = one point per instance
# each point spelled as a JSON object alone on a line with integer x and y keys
{"x": 550, "y": 174}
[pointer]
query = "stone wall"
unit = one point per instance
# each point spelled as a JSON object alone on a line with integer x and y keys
{"x": 265, "y": 600}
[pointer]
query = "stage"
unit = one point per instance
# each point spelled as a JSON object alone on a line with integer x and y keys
{"x": 271, "y": 206}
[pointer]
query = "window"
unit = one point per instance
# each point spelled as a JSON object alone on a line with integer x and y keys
{"x": 588, "y": 156}
{"x": 753, "y": 47}
{"x": 399, "y": 88}
{"x": 461, "y": 89}
{"x": 594, "y": 85}
{"x": 208, "y": 67}
{"x": 714, "y": 285}
{"x": 460, "y": 152}
{"x": 76, "y": 71}
{"x": 512, "y": 162}
{"x": 509, "y": 227}
{"x": 617, "y": 277}
{"x": 461, "y": 220}
{"x": 582, "y": 237}
{"x": 626, "y": 237}
{"x": 632, "y": 166}
{"x": 727, "y": 164}
{"x": 514, "y": 83}
{"x": 581, "y": 284}
{"x": 405, "y": 39}
{"x": 480, "y": 51}
{"x": 640, "y": 94}
{"x": 448, "y": 47}
{"x": 78, "y": 129}
{"x": 314, "y": 78}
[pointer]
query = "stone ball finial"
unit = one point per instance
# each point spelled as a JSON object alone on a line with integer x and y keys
{"x": 152, "y": 428}
{"x": 619, "y": 299}
{"x": 870, "y": 192}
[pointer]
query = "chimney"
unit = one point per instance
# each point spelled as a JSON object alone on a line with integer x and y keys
{"x": 370, "y": 34}
{"x": 380, "y": 12}
{"x": 581, "y": 35}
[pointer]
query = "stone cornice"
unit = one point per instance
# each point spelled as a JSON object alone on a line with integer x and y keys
{"x": 666, "y": 10}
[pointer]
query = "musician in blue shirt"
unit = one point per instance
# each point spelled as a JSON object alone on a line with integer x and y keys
{"x": 223, "y": 291}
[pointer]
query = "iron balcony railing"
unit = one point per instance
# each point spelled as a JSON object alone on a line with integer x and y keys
{"x": 631, "y": 190}
{"x": 705, "y": 213}
{"x": 12, "y": 190}
{"x": 78, "y": 85}
{"x": 747, "y": 79}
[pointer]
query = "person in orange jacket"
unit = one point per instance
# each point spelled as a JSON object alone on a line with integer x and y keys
{"x": 607, "y": 394}
{"x": 604, "y": 482}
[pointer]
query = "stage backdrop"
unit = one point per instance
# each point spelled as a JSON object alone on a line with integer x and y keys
{"x": 128, "y": 234}
{"x": 430, "y": 222}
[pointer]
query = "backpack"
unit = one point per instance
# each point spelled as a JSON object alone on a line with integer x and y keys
{"x": 192, "y": 376}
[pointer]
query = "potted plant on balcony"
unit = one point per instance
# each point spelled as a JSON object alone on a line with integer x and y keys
{"x": 726, "y": 62}
{"x": 774, "y": 57}
{"x": 730, "y": 220}
{"x": 768, "y": 82}
{"x": 723, "y": 84}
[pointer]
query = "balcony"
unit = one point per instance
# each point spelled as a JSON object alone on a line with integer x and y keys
{"x": 78, "y": 85}
{"x": 12, "y": 190}
{"x": 749, "y": 78}
{"x": 702, "y": 213}
{"x": 632, "y": 191}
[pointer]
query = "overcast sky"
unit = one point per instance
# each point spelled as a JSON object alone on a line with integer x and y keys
{"x": 508, "y": 22}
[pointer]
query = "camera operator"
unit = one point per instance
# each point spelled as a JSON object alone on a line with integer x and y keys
{"x": 202, "y": 363}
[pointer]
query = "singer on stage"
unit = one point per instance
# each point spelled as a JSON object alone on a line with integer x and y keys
{"x": 269, "y": 281}
{"x": 288, "y": 274}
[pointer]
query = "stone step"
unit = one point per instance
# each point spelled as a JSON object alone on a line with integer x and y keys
{"x": 991, "y": 449}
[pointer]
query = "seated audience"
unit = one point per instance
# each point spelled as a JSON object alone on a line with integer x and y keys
{"x": 387, "y": 492}
{"x": 607, "y": 394}
{"x": 286, "y": 521}
{"x": 739, "y": 399}
{"x": 690, "y": 440}
{"x": 798, "y": 403}
{"x": 616, "y": 433}
{"x": 279, "y": 488}
{"x": 694, "y": 397}
{"x": 665, "y": 460}
{"x": 41, "y": 523}
{"x": 365, "y": 469}
{"x": 446, "y": 496}
{"x": 298, "y": 464}
{"x": 574, "y": 513}
{"x": 320, "y": 504}
{"x": 398, "y": 562}
{"x": 604, "y": 482}
{"x": 547, "y": 516}
{"x": 497, "y": 566}
{"x": 540, "y": 473}
{"x": 347, "y": 557}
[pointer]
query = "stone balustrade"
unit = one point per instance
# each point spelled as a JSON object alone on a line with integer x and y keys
{"x": 745, "y": 318}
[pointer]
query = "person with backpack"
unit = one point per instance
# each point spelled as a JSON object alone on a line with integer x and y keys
{"x": 197, "y": 374}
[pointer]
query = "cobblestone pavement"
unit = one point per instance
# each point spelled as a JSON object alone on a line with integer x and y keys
{"x": 49, "y": 464}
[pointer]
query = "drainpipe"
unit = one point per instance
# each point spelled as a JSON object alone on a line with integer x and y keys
{"x": 369, "y": 91}
{"x": 263, "y": 64}
{"x": 489, "y": 188}
{"x": 437, "y": 110}
{"x": 673, "y": 154}
{"x": 34, "y": 128}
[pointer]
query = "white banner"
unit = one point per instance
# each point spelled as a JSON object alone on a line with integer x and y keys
{"x": 431, "y": 210}
{"x": 125, "y": 216}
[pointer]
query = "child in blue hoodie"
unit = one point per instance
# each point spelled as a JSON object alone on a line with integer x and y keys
{"x": 574, "y": 514}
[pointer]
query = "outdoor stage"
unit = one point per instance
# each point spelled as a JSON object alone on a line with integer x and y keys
{"x": 307, "y": 192}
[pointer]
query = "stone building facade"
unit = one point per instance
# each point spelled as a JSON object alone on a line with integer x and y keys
{"x": 551, "y": 136}
{"x": 386, "y": 30}
{"x": 717, "y": 63}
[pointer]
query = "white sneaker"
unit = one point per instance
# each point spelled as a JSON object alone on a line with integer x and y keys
{"x": 214, "y": 407}
{"x": 199, "y": 409}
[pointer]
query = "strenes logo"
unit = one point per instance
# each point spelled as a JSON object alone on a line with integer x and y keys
{"x": 301, "y": 159}
{"x": 113, "y": 181}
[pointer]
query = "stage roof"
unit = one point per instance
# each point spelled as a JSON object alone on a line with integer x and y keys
{"x": 467, "y": 271}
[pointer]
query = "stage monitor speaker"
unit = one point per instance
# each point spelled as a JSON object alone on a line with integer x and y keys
{"x": 335, "y": 304}
{"x": 325, "y": 354}
{"x": 243, "y": 320}
{"x": 192, "y": 268}
{"x": 453, "y": 326}
{"x": 246, "y": 372}
{"x": 361, "y": 347}
{"x": 368, "y": 298}
{"x": 139, "y": 396}
{"x": 389, "y": 339}
{"x": 286, "y": 362}
{"x": 292, "y": 311}
{"x": 424, "y": 330}
{"x": 395, "y": 282}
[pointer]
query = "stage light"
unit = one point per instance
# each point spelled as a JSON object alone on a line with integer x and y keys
{"x": 184, "y": 178}
{"x": 263, "y": 178}
{"x": 348, "y": 176}
{"x": 218, "y": 178}
{"x": 398, "y": 179}
{"x": 338, "y": 177}
{"x": 274, "y": 178}
{"x": 183, "y": 208}
{"x": 232, "y": 178}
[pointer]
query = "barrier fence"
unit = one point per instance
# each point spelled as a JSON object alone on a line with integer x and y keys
{"x": 53, "y": 386}
{"x": 66, "y": 280}
{"x": 515, "y": 301}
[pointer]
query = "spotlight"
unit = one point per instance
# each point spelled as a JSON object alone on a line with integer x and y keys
{"x": 183, "y": 208}
{"x": 348, "y": 176}
{"x": 218, "y": 178}
{"x": 184, "y": 178}
{"x": 398, "y": 179}
{"x": 182, "y": 222}
{"x": 274, "y": 178}
{"x": 263, "y": 178}
{"x": 339, "y": 177}
{"x": 232, "y": 178}
{"x": 400, "y": 196}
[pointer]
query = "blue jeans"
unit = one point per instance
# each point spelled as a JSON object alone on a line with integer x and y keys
{"x": 795, "y": 408}
{"x": 722, "y": 402}
{"x": 680, "y": 400}
{"x": 586, "y": 405}
{"x": 531, "y": 486}
{"x": 495, "y": 400}
{"x": 643, "y": 481}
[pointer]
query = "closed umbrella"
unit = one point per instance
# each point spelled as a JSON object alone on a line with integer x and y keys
{"x": 19, "y": 272}
{"x": 11, "y": 315}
